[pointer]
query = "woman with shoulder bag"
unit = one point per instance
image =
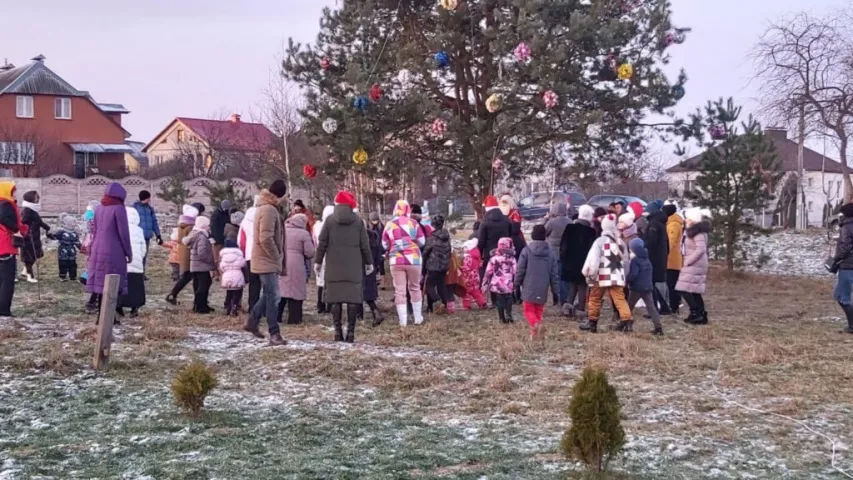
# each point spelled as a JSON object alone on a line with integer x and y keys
{"x": 842, "y": 262}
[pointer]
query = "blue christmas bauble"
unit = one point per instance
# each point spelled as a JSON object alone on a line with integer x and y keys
{"x": 441, "y": 59}
{"x": 678, "y": 92}
{"x": 360, "y": 103}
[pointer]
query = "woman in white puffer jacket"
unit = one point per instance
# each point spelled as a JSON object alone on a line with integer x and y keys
{"x": 135, "y": 297}
{"x": 328, "y": 210}
{"x": 245, "y": 239}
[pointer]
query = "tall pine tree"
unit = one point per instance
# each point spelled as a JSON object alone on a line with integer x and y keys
{"x": 481, "y": 69}
{"x": 739, "y": 171}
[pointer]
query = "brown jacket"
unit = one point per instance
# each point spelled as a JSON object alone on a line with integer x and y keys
{"x": 184, "y": 250}
{"x": 268, "y": 248}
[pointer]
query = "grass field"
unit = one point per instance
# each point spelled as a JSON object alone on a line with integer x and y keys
{"x": 459, "y": 397}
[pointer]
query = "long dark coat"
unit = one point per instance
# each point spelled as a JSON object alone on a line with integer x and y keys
{"x": 371, "y": 292}
{"x": 32, "y": 249}
{"x": 111, "y": 243}
{"x": 657, "y": 244}
{"x": 343, "y": 243}
{"x": 577, "y": 240}
{"x": 494, "y": 227}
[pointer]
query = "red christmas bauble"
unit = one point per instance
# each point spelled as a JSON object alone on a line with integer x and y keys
{"x": 309, "y": 171}
{"x": 325, "y": 64}
{"x": 375, "y": 92}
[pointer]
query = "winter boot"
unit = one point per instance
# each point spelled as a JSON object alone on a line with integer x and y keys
{"x": 352, "y": 312}
{"x": 403, "y": 315}
{"x": 620, "y": 327}
{"x": 418, "y": 313}
{"x": 171, "y": 299}
{"x": 321, "y": 307}
{"x": 590, "y": 326}
{"x": 337, "y": 311}
{"x": 693, "y": 316}
{"x": 134, "y": 312}
{"x": 628, "y": 326}
{"x": 848, "y": 312}
{"x": 701, "y": 318}
{"x": 658, "y": 332}
{"x": 31, "y": 279}
{"x": 378, "y": 318}
{"x": 568, "y": 310}
{"x": 253, "y": 330}
{"x": 276, "y": 340}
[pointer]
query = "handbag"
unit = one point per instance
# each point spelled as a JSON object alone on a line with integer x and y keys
{"x": 831, "y": 265}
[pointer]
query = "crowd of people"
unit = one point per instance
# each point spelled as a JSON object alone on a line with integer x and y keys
{"x": 627, "y": 253}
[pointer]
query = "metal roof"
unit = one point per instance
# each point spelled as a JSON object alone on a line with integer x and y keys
{"x": 101, "y": 147}
{"x": 36, "y": 79}
{"x": 113, "y": 108}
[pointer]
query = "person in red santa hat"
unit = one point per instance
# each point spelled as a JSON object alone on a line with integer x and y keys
{"x": 495, "y": 226}
{"x": 343, "y": 243}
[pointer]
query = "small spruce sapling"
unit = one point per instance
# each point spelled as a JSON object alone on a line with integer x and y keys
{"x": 596, "y": 434}
{"x": 192, "y": 385}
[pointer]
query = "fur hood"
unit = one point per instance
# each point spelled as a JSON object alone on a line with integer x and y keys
{"x": 702, "y": 227}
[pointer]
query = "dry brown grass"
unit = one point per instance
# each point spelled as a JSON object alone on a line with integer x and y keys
{"x": 11, "y": 333}
{"x": 159, "y": 330}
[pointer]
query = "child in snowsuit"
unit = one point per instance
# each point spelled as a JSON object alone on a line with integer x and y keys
{"x": 69, "y": 243}
{"x": 174, "y": 261}
{"x": 231, "y": 263}
{"x": 185, "y": 227}
{"x": 201, "y": 263}
{"x": 604, "y": 270}
{"x": 471, "y": 275}
{"x": 538, "y": 269}
{"x": 437, "y": 262}
{"x": 500, "y": 278}
{"x": 640, "y": 283}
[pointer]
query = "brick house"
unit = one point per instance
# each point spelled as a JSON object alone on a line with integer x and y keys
{"x": 49, "y": 127}
{"x": 211, "y": 146}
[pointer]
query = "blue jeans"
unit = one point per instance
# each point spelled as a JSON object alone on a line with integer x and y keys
{"x": 267, "y": 304}
{"x": 843, "y": 287}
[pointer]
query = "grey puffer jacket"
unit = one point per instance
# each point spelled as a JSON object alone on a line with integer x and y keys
{"x": 201, "y": 252}
{"x": 437, "y": 251}
{"x": 694, "y": 271}
{"x": 555, "y": 227}
{"x": 844, "y": 248}
{"x": 537, "y": 270}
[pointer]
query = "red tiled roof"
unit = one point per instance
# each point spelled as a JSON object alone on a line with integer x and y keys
{"x": 786, "y": 151}
{"x": 232, "y": 135}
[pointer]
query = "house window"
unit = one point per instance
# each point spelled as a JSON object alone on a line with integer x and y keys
{"x": 17, "y": 153}
{"x": 193, "y": 138}
{"x": 62, "y": 108}
{"x": 810, "y": 206}
{"x": 181, "y": 135}
{"x": 24, "y": 106}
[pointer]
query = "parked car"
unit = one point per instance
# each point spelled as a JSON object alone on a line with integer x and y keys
{"x": 605, "y": 200}
{"x": 536, "y": 206}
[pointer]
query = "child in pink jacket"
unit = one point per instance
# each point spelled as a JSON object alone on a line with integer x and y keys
{"x": 500, "y": 278}
{"x": 471, "y": 275}
{"x": 231, "y": 263}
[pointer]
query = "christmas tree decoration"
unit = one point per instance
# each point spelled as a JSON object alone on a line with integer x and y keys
{"x": 679, "y": 37}
{"x": 522, "y": 52}
{"x": 669, "y": 39}
{"x": 718, "y": 132}
{"x": 325, "y": 64}
{"x": 441, "y": 59}
{"x": 309, "y": 171}
{"x": 494, "y": 103}
{"x": 330, "y": 125}
{"x": 375, "y": 92}
{"x": 550, "y": 98}
{"x": 497, "y": 165}
{"x": 678, "y": 91}
{"x": 359, "y": 157}
{"x": 405, "y": 79}
{"x": 438, "y": 128}
{"x": 360, "y": 103}
{"x": 449, "y": 4}
{"x": 625, "y": 72}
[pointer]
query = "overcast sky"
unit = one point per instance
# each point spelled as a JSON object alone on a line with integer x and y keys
{"x": 163, "y": 59}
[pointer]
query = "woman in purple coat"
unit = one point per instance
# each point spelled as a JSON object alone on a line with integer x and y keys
{"x": 110, "y": 251}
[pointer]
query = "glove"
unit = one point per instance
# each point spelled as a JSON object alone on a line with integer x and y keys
{"x": 159, "y": 240}
{"x": 129, "y": 259}
{"x": 368, "y": 269}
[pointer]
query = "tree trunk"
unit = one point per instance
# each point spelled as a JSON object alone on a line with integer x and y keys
{"x": 731, "y": 236}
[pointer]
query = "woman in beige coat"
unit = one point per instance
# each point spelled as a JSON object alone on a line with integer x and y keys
{"x": 298, "y": 247}
{"x": 694, "y": 270}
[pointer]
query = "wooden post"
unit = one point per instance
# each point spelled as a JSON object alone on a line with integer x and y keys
{"x": 106, "y": 317}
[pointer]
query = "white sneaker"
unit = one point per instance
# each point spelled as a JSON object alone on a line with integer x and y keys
{"x": 32, "y": 279}
{"x": 403, "y": 314}
{"x": 418, "y": 309}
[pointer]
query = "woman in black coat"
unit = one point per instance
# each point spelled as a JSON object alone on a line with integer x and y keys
{"x": 575, "y": 244}
{"x": 32, "y": 249}
{"x": 657, "y": 243}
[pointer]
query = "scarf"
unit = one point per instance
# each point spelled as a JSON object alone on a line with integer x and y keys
{"x": 110, "y": 201}
{"x": 36, "y": 207}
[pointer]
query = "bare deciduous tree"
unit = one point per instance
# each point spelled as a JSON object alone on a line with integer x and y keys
{"x": 804, "y": 64}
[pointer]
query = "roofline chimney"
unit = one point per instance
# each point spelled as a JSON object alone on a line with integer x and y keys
{"x": 235, "y": 118}
{"x": 39, "y": 58}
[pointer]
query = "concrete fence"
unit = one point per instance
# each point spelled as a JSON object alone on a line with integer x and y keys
{"x": 60, "y": 193}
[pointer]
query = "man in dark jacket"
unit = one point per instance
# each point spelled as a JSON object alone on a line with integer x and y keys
{"x": 843, "y": 261}
{"x": 495, "y": 226}
{"x": 147, "y": 222}
{"x": 657, "y": 244}
{"x": 221, "y": 216}
{"x": 577, "y": 240}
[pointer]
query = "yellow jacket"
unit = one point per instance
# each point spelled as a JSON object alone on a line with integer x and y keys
{"x": 675, "y": 232}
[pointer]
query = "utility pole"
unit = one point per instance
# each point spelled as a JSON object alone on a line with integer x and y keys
{"x": 802, "y": 214}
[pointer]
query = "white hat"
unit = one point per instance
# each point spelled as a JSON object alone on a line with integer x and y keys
{"x": 470, "y": 244}
{"x": 586, "y": 212}
{"x": 189, "y": 211}
{"x": 693, "y": 214}
{"x": 201, "y": 223}
{"x": 627, "y": 219}
{"x": 608, "y": 224}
